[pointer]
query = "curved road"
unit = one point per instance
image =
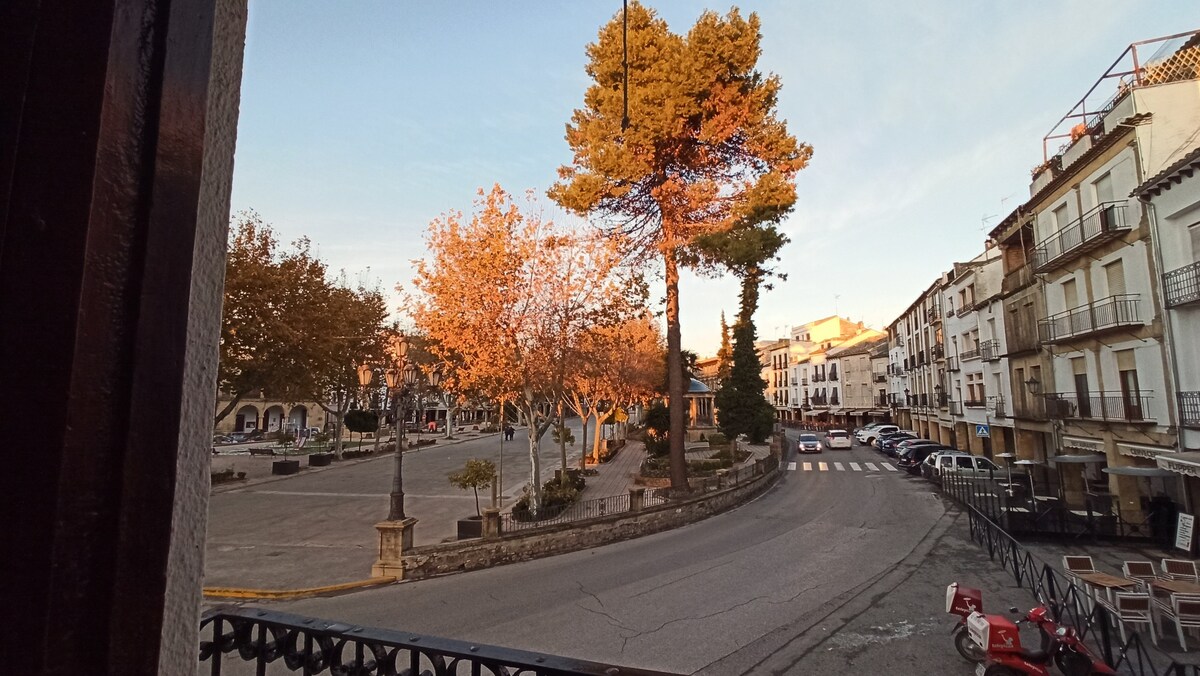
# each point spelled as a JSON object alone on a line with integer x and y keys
{"x": 815, "y": 573}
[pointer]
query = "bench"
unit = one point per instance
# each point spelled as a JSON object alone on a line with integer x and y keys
{"x": 262, "y": 451}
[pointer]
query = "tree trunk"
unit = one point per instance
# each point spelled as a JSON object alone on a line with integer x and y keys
{"x": 535, "y": 470}
{"x": 583, "y": 440}
{"x": 562, "y": 445}
{"x": 675, "y": 389}
{"x": 596, "y": 441}
{"x": 224, "y": 412}
{"x": 450, "y": 415}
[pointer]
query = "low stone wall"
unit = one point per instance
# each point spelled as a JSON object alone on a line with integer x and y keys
{"x": 443, "y": 559}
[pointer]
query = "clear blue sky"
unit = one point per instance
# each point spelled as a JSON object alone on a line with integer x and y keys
{"x": 362, "y": 121}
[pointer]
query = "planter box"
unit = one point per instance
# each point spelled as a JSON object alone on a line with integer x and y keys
{"x": 470, "y": 527}
{"x": 285, "y": 467}
{"x": 319, "y": 459}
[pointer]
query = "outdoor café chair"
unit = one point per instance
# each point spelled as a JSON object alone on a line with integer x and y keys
{"x": 1078, "y": 565}
{"x": 1179, "y": 569}
{"x": 1131, "y": 608}
{"x": 1141, "y": 572}
{"x": 1186, "y": 615}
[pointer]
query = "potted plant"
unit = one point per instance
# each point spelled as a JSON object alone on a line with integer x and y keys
{"x": 286, "y": 438}
{"x": 475, "y": 474}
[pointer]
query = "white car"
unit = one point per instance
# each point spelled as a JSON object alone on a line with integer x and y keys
{"x": 868, "y": 437}
{"x": 838, "y": 439}
{"x": 860, "y": 433}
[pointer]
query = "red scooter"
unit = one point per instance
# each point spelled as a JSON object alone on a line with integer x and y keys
{"x": 1061, "y": 647}
{"x": 963, "y": 601}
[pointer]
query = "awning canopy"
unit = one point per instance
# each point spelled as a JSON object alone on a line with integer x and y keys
{"x": 851, "y": 411}
{"x": 835, "y": 411}
{"x": 1078, "y": 459}
{"x": 814, "y": 413}
{"x": 1139, "y": 451}
{"x": 876, "y": 412}
{"x": 1140, "y": 471}
{"x": 1187, "y": 463}
{"x": 1083, "y": 444}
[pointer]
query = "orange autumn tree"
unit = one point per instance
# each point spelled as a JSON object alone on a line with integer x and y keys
{"x": 700, "y": 151}
{"x": 618, "y": 366}
{"x": 504, "y": 300}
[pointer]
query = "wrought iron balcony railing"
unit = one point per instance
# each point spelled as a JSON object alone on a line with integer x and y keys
{"x": 974, "y": 403}
{"x": 967, "y": 355}
{"x": 934, "y": 313}
{"x": 937, "y": 350}
{"x": 989, "y": 350}
{"x": 952, "y": 363}
{"x": 999, "y": 410}
{"x": 1182, "y": 286}
{"x": 230, "y": 635}
{"x": 1103, "y": 223}
{"x": 883, "y": 400}
{"x": 1189, "y": 409}
{"x": 879, "y": 377}
{"x": 1103, "y": 315}
{"x": 818, "y": 378}
{"x": 1116, "y": 406}
{"x": 943, "y": 400}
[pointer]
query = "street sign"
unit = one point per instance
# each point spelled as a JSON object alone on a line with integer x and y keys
{"x": 983, "y": 431}
{"x": 1183, "y": 531}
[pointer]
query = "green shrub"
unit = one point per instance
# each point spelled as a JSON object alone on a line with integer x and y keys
{"x": 697, "y": 467}
{"x": 718, "y": 439}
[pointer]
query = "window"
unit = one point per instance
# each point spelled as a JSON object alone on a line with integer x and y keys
{"x": 1131, "y": 398}
{"x": 1194, "y": 234}
{"x": 1104, "y": 189}
{"x": 1114, "y": 273}
{"x": 964, "y": 462}
{"x": 1070, "y": 294}
{"x": 1079, "y": 368}
{"x": 1060, "y": 217}
{"x": 1020, "y": 385}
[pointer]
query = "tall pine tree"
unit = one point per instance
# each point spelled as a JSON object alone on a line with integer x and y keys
{"x": 742, "y": 408}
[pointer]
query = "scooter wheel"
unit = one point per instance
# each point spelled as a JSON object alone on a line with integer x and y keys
{"x": 969, "y": 649}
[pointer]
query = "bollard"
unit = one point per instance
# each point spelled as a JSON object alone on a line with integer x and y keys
{"x": 491, "y": 522}
{"x": 637, "y": 499}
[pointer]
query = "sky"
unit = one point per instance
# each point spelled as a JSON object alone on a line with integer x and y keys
{"x": 363, "y": 121}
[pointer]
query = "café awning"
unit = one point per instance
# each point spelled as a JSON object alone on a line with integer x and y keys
{"x": 1078, "y": 459}
{"x": 1187, "y": 463}
{"x": 1139, "y": 471}
{"x": 1083, "y": 444}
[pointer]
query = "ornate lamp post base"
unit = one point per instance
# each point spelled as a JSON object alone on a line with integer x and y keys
{"x": 394, "y": 538}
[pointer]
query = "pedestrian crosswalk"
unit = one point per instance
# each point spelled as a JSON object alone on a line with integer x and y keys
{"x": 840, "y": 467}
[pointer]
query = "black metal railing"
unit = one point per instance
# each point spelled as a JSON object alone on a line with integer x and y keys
{"x": 1182, "y": 286}
{"x": 294, "y": 643}
{"x": 938, "y": 350}
{"x": 1118, "y": 406}
{"x": 989, "y": 350}
{"x": 879, "y": 377}
{"x": 1107, "y": 313}
{"x": 1103, "y": 223}
{"x": 942, "y": 399}
{"x": 967, "y": 355}
{"x": 1189, "y": 409}
{"x": 999, "y": 409}
{"x": 974, "y": 403}
{"x": 819, "y": 377}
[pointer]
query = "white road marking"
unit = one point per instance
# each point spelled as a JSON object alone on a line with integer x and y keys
{"x": 871, "y": 466}
{"x": 889, "y": 468}
{"x": 838, "y": 467}
{"x": 808, "y": 467}
{"x": 791, "y": 467}
{"x": 854, "y": 466}
{"x": 823, "y": 467}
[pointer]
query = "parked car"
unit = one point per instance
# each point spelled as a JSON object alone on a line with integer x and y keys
{"x": 906, "y": 444}
{"x": 838, "y": 439}
{"x": 884, "y": 437}
{"x": 869, "y": 434}
{"x": 888, "y": 443}
{"x": 809, "y": 443}
{"x": 912, "y": 457}
{"x": 859, "y": 431}
{"x": 963, "y": 463}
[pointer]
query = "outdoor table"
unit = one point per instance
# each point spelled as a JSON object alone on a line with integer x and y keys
{"x": 1107, "y": 582}
{"x": 1045, "y": 498}
{"x": 1177, "y": 586}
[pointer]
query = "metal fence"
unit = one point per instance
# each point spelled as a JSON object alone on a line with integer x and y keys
{"x": 263, "y": 641}
{"x": 1035, "y": 509}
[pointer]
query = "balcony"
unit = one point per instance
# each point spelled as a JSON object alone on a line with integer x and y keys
{"x": 1189, "y": 409}
{"x": 1017, "y": 279}
{"x": 1032, "y": 408}
{"x": 956, "y": 408}
{"x": 1108, "y": 406}
{"x": 989, "y": 350}
{"x": 938, "y": 351}
{"x": 833, "y": 375}
{"x": 819, "y": 378}
{"x": 999, "y": 410}
{"x": 804, "y": 381}
{"x": 975, "y": 403}
{"x": 1109, "y": 313}
{"x": 834, "y": 401}
{"x": 883, "y": 401}
{"x": 952, "y": 364}
{"x": 943, "y": 400}
{"x": 1182, "y": 286}
{"x": 1102, "y": 224}
{"x": 967, "y": 355}
{"x": 879, "y": 378}
{"x": 934, "y": 313}
{"x": 897, "y": 400}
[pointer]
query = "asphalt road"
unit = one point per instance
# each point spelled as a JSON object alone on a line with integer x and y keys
{"x": 831, "y": 571}
{"x": 317, "y": 528}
